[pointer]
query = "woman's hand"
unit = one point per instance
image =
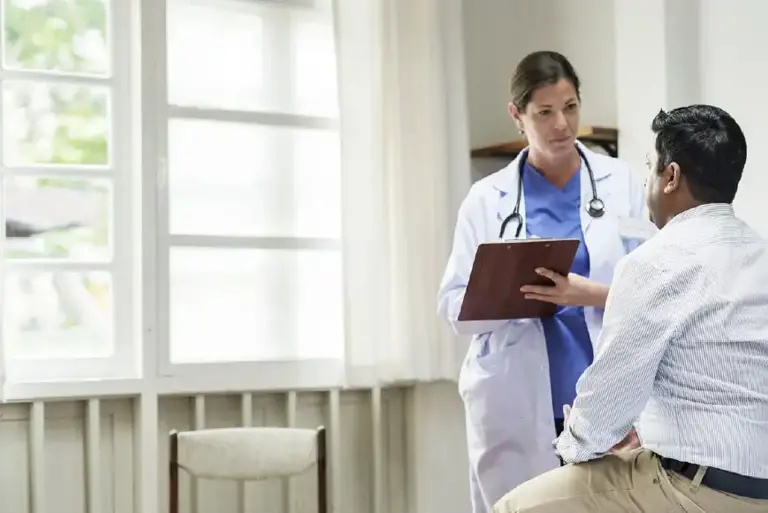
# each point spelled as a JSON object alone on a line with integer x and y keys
{"x": 571, "y": 290}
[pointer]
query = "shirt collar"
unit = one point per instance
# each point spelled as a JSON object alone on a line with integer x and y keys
{"x": 707, "y": 210}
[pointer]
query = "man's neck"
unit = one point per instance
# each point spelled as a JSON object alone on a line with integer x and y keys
{"x": 684, "y": 206}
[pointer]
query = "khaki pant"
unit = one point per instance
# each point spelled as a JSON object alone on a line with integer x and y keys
{"x": 633, "y": 481}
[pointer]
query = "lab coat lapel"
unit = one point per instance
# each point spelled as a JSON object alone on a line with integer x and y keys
{"x": 507, "y": 182}
{"x": 602, "y": 173}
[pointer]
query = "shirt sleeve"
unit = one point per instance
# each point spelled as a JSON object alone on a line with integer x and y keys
{"x": 641, "y": 317}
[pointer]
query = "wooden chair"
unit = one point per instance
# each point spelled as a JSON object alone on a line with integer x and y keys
{"x": 248, "y": 454}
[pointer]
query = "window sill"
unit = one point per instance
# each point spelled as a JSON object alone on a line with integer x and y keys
{"x": 190, "y": 380}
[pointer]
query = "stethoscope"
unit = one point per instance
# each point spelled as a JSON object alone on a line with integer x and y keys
{"x": 595, "y": 207}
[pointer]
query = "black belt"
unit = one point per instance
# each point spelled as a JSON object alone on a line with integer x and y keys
{"x": 721, "y": 480}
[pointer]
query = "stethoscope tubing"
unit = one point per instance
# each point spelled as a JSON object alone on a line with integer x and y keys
{"x": 595, "y": 207}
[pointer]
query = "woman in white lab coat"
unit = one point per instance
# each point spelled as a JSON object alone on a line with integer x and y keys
{"x": 518, "y": 374}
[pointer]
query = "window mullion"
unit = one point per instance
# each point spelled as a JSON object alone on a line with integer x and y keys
{"x": 156, "y": 257}
{"x": 126, "y": 186}
{"x": 279, "y": 59}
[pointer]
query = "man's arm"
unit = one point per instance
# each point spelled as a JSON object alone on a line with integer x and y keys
{"x": 641, "y": 317}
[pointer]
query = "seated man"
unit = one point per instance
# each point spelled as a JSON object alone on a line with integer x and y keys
{"x": 683, "y": 355}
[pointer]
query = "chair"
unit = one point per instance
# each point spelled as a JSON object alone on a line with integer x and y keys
{"x": 248, "y": 454}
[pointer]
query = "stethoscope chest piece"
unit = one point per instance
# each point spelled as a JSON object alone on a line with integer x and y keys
{"x": 595, "y": 207}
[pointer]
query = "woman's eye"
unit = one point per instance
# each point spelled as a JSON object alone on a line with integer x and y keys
{"x": 545, "y": 112}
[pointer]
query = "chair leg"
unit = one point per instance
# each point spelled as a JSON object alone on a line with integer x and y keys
{"x": 173, "y": 474}
{"x": 322, "y": 472}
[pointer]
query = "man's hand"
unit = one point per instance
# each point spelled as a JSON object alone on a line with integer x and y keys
{"x": 571, "y": 290}
{"x": 566, "y": 413}
{"x": 630, "y": 442}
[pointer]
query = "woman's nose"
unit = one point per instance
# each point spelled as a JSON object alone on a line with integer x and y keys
{"x": 560, "y": 121}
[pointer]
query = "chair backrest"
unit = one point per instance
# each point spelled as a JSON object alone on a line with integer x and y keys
{"x": 248, "y": 454}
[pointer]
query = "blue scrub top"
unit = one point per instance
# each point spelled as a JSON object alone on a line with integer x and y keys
{"x": 551, "y": 212}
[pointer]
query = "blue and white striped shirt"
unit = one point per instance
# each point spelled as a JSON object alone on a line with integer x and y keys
{"x": 683, "y": 354}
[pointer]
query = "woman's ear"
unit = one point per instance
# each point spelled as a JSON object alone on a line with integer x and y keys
{"x": 515, "y": 113}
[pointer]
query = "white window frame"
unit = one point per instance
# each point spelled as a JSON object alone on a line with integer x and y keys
{"x": 158, "y": 240}
{"x": 143, "y": 367}
{"x": 122, "y": 171}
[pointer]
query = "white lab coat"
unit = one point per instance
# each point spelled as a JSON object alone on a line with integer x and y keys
{"x": 506, "y": 392}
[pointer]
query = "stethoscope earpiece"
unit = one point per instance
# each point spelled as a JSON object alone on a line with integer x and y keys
{"x": 595, "y": 207}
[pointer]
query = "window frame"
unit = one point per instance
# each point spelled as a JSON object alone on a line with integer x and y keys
{"x": 158, "y": 240}
{"x": 145, "y": 366}
{"x": 121, "y": 32}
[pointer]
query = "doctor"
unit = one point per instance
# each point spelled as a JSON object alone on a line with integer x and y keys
{"x": 519, "y": 374}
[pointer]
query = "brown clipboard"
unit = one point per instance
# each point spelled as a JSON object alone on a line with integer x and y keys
{"x": 501, "y": 268}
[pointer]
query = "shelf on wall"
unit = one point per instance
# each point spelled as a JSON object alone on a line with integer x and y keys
{"x": 606, "y": 138}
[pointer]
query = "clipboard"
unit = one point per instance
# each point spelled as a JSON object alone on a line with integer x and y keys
{"x": 501, "y": 268}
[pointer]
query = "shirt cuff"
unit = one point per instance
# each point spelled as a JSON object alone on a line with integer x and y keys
{"x": 571, "y": 448}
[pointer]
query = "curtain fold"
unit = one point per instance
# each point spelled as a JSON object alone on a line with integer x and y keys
{"x": 405, "y": 161}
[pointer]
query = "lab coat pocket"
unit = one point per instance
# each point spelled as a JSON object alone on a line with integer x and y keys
{"x": 508, "y": 410}
{"x": 495, "y": 386}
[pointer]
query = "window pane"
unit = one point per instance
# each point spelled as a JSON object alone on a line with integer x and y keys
{"x": 48, "y": 217}
{"x": 314, "y": 67}
{"x": 245, "y": 180}
{"x": 58, "y": 314}
{"x": 246, "y": 305}
{"x": 56, "y": 35}
{"x": 55, "y": 124}
{"x": 255, "y": 56}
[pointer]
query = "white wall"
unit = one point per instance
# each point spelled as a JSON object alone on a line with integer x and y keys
{"x": 734, "y": 72}
{"x": 66, "y": 451}
{"x": 679, "y": 52}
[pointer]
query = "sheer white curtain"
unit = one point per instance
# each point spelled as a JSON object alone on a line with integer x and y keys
{"x": 404, "y": 154}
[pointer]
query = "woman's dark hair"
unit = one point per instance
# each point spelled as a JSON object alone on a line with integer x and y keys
{"x": 538, "y": 69}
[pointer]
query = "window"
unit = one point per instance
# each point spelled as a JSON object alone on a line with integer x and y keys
{"x": 249, "y": 217}
{"x": 223, "y": 241}
{"x": 66, "y": 189}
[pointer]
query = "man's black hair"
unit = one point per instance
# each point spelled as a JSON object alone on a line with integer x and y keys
{"x": 707, "y": 144}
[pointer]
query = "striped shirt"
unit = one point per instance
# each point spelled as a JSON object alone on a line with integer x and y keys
{"x": 683, "y": 355}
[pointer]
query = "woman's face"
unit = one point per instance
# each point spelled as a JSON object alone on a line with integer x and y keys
{"x": 551, "y": 119}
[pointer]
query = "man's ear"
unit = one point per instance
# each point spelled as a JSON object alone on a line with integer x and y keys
{"x": 672, "y": 177}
